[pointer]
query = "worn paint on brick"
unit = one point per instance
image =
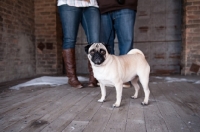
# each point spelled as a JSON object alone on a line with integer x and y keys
{"x": 191, "y": 38}
{"x": 194, "y": 68}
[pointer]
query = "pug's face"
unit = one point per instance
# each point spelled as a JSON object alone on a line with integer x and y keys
{"x": 97, "y": 53}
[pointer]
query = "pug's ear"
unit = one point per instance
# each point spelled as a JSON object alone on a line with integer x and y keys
{"x": 87, "y": 48}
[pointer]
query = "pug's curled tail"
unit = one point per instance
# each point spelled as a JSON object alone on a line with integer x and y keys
{"x": 136, "y": 51}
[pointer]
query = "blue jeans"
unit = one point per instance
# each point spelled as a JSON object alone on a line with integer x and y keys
{"x": 122, "y": 23}
{"x": 71, "y": 17}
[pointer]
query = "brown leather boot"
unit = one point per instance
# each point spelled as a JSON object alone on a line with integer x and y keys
{"x": 70, "y": 67}
{"x": 92, "y": 80}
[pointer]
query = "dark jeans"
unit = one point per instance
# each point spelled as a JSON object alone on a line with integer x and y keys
{"x": 122, "y": 23}
{"x": 71, "y": 17}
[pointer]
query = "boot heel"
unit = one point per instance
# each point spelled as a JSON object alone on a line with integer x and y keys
{"x": 92, "y": 79}
{"x": 70, "y": 67}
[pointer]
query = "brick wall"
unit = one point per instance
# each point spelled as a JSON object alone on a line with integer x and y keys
{"x": 48, "y": 44}
{"x": 191, "y": 37}
{"x": 30, "y": 37}
{"x": 17, "y": 47}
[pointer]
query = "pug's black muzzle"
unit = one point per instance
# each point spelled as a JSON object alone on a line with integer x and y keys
{"x": 97, "y": 58}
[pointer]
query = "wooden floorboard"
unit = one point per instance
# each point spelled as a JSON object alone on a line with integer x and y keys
{"x": 168, "y": 112}
{"x": 37, "y": 108}
{"x": 117, "y": 121}
{"x": 173, "y": 107}
{"x": 178, "y": 99}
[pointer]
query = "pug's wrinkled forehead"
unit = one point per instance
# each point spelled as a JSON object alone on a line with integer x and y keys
{"x": 97, "y": 47}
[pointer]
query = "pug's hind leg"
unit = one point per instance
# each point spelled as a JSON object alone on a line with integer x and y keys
{"x": 134, "y": 82}
{"x": 145, "y": 86}
{"x": 118, "y": 95}
{"x": 103, "y": 93}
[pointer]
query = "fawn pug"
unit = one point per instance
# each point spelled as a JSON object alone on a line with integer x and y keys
{"x": 111, "y": 70}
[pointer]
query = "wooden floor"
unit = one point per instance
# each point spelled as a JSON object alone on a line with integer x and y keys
{"x": 174, "y": 107}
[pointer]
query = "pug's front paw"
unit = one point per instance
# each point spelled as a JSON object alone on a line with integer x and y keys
{"x": 116, "y": 105}
{"x": 101, "y": 100}
{"x": 144, "y": 103}
{"x": 133, "y": 97}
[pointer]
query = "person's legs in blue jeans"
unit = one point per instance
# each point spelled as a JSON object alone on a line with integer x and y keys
{"x": 70, "y": 19}
{"x": 91, "y": 25}
{"x": 107, "y": 33}
{"x": 124, "y": 21}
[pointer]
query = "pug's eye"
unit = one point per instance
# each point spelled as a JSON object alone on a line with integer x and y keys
{"x": 92, "y": 52}
{"x": 103, "y": 52}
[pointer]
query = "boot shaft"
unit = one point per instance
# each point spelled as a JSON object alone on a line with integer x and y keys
{"x": 70, "y": 67}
